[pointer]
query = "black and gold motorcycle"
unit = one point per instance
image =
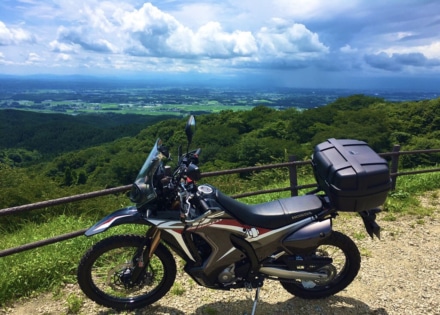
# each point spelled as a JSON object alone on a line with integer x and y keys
{"x": 228, "y": 244}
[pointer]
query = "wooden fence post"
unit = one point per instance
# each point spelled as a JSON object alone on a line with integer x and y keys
{"x": 293, "y": 176}
{"x": 394, "y": 165}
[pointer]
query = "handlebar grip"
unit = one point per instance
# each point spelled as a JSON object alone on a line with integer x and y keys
{"x": 194, "y": 158}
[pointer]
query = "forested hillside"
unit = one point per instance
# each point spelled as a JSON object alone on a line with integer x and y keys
{"x": 228, "y": 139}
{"x": 27, "y": 136}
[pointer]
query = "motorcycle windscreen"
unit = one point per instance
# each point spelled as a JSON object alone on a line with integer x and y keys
{"x": 143, "y": 189}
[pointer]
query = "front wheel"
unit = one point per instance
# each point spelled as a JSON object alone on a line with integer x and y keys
{"x": 346, "y": 261}
{"x": 104, "y": 273}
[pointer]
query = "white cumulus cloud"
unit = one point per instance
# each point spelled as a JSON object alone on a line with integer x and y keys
{"x": 13, "y": 36}
{"x": 34, "y": 58}
{"x": 155, "y": 33}
{"x": 348, "y": 49}
{"x": 149, "y": 32}
{"x": 210, "y": 40}
{"x": 63, "y": 57}
{"x": 292, "y": 41}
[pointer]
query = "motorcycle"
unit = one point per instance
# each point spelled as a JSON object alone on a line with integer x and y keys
{"x": 227, "y": 244}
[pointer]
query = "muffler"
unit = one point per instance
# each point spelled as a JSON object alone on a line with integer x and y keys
{"x": 293, "y": 274}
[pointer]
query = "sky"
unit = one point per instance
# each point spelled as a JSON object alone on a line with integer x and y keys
{"x": 293, "y": 43}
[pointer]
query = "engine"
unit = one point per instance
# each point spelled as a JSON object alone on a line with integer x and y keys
{"x": 227, "y": 275}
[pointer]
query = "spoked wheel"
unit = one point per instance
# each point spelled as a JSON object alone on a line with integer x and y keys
{"x": 340, "y": 273}
{"x": 105, "y": 273}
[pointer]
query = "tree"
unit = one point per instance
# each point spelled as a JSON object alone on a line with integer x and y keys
{"x": 82, "y": 178}
{"x": 355, "y": 102}
{"x": 68, "y": 179}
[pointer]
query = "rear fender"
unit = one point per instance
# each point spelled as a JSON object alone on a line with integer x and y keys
{"x": 129, "y": 215}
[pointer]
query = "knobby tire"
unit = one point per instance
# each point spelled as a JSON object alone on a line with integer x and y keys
{"x": 344, "y": 277}
{"x": 123, "y": 298}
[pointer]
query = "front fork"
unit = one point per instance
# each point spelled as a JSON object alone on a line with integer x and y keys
{"x": 144, "y": 254}
{"x": 153, "y": 238}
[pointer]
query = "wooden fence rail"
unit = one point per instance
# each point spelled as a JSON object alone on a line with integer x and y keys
{"x": 292, "y": 165}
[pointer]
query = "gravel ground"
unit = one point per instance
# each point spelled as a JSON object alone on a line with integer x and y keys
{"x": 399, "y": 275}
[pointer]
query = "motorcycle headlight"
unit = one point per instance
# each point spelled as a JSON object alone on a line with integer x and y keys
{"x": 142, "y": 193}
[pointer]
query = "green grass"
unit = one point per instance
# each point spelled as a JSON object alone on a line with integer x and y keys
{"x": 414, "y": 195}
{"x": 74, "y": 304}
{"x": 177, "y": 289}
{"x": 359, "y": 235}
{"x": 51, "y": 267}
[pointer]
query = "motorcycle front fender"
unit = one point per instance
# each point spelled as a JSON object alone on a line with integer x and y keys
{"x": 129, "y": 215}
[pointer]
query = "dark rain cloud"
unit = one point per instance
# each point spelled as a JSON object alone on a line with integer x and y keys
{"x": 397, "y": 62}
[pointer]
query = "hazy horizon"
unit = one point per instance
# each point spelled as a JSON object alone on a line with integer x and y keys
{"x": 198, "y": 90}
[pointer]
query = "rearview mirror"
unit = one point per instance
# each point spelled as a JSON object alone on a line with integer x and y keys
{"x": 190, "y": 129}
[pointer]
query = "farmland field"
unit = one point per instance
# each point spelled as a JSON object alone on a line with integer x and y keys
{"x": 89, "y": 95}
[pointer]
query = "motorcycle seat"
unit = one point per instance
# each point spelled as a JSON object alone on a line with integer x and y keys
{"x": 273, "y": 214}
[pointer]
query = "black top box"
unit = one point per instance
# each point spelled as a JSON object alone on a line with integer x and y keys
{"x": 354, "y": 177}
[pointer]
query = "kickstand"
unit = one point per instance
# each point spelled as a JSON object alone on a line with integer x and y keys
{"x": 257, "y": 296}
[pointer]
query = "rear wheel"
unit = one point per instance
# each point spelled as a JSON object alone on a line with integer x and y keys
{"x": 346, "y": 261}
{"x": 104, "y": 273}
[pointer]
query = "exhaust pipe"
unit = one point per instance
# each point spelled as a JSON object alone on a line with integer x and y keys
{"x": 293, "y": 274}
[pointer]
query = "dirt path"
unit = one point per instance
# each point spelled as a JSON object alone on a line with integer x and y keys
{"x": 400, "y": 274}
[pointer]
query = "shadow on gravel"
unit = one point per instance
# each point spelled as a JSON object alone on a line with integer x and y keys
{"x": 161, "y": 310}
{"x": 152, "y": 309}
{"x": 336, "y": 305}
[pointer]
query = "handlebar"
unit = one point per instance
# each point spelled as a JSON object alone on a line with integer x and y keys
{"x": 204, "y": 205}
{"x": 199, "y": 218}
{"x": 191, "y": 157}
{"x": 194, "y": 201}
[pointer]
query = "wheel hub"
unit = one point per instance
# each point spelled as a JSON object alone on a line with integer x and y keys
{"x": 120, "y": 278}
{"x": 330, "y": 272}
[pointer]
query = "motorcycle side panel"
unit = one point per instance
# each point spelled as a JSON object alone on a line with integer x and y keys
{"x": 129, "y": 215}
{"x": 308, "y": 237}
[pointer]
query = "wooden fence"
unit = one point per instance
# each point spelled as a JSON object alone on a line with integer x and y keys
{"x": 292, "y": 166}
